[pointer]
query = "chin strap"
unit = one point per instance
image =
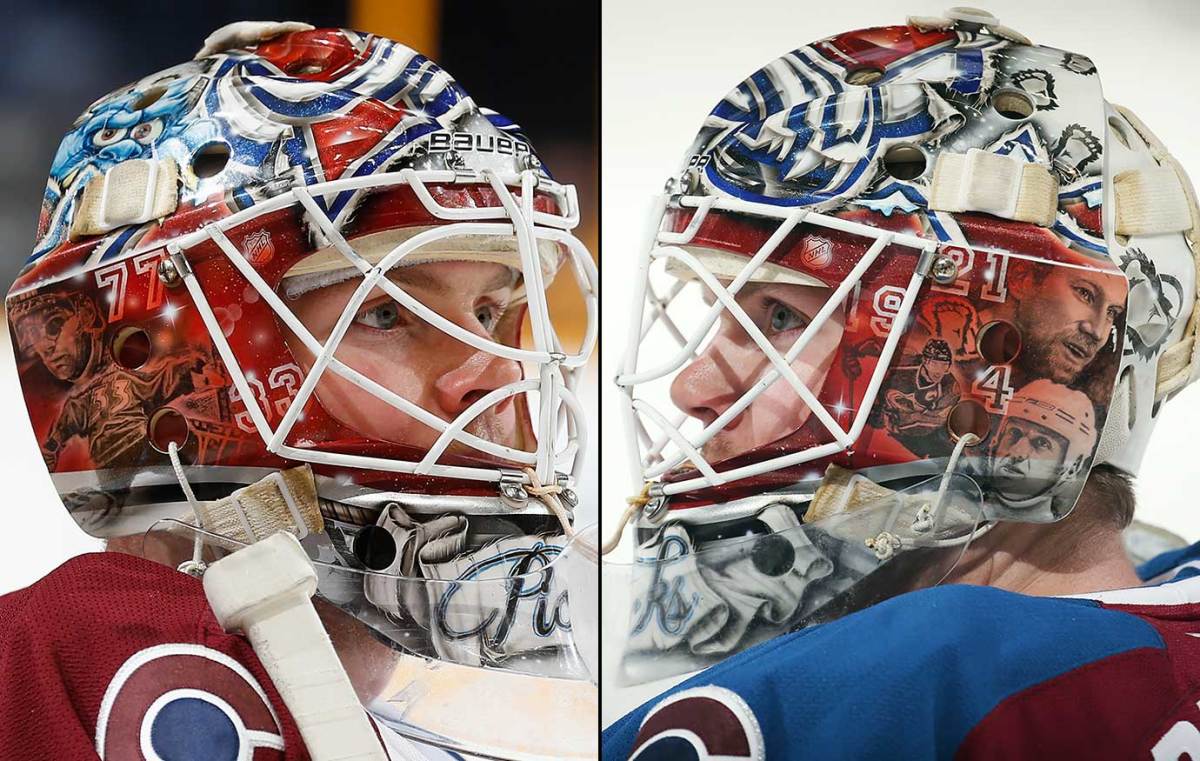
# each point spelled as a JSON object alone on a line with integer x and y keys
{"x": 284, "y": 500}
{"x": 265, "y": 591}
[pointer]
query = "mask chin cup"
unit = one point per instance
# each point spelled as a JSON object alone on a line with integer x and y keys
{"x": 504, "y": 606}
{"x": 698, "y": 592}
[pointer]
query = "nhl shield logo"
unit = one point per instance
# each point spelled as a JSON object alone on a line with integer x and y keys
{"x": 701, "y": 724}
{"x": 259, "y": 248}
{"x": 817, "y": 253}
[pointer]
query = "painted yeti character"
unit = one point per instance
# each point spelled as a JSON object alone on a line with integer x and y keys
{"x": 146, "y": 120}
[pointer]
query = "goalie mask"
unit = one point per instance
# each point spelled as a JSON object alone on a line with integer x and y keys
{"x": 908, "y": 282}
{"x": 301, "y": 282}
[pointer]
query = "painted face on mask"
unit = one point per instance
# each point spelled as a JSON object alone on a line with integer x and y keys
{"x": 1028, "y": 459}
{"x": 1065, "y": 320}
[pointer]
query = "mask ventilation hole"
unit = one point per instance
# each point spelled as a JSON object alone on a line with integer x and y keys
{"x": 1013, "y": 104}
{"x": 1118, "y": 131}
{"x": 864, "y": 76}
{"x": 904, "y": 162}
{"x": 167, "y": 426}
{"x": 131, "y": 348}
{"x": 374, "y": 547}
{"x": 1131, "y": 396}
{"x": 150, "y": 97}
{"x": 210, "y": 160}
{"x": 999, "y": 342}
{"x": 304, "y": 68}
{"x": 968, "y": 416}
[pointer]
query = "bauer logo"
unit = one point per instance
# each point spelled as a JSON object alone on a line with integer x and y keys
{"x": 503, "y": 145}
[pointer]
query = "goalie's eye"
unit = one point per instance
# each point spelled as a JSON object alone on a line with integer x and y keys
{"x": 384, "y": 315}
{"x": 784, "y": 318}
{"x": 108, "y": 136}
{"x": 488, "y": 316}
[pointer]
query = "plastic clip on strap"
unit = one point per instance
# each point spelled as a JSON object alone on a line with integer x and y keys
{"x": 264, "y": 591}
{"x": 1004, "y": 186}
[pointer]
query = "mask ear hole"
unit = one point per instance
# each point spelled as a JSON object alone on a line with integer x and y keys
{"x": 904, "y": 162}
{"x": 1013, "y": 104}
{"x": 999, "y": 342}
{"x": 131, "y": 348}
{"x": 1118, "y": 131}
{"x": 375, "y": 548}
{"x": 968, "y": 416}
{"x": 210, "y": 160}
{"x": 167, "y": 426}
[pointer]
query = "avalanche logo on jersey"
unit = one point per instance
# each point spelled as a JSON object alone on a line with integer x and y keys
{"x": 185, "y": 702}
{"x": 701, "y": 724}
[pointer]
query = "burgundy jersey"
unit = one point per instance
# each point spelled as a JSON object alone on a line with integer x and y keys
{"x": 953, "y": 672}
{"x": 111, "y": 656}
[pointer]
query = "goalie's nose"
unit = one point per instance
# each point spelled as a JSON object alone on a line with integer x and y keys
{"x": 466, "y": 383}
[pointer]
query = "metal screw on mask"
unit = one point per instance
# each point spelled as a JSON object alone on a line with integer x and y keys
{"x": 168, "y": 273}
{"x": 945, "y": 270}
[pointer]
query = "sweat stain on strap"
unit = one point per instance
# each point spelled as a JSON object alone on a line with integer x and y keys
{"x": 130, "y": 193}
{"x": 1179, "y": 364}
{"x": 1001, "y": 185}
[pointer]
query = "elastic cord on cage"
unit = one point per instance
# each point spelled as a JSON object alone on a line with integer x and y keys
{"x": 195, "y": 566}
{"x": 634, "y": 506}
{"x": 548, "y": 494}
{"x": 939, "y": 503}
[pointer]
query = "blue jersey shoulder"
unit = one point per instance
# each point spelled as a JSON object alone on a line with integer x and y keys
{"x": 1183, "y": 562}
{"x": 909, "y": 677}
